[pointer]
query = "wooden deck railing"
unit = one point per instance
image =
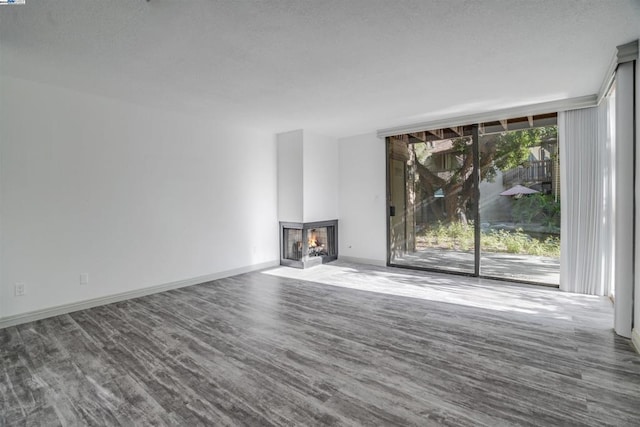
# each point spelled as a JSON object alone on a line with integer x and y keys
{"x": 536, "y": 171}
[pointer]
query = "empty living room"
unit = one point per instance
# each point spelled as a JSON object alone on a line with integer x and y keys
{"x": 299, "y": 212}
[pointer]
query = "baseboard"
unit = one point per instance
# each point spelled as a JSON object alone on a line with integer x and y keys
{"x": 363, "y": 260}
{"x": 31, "y": 316}
{"x": 635, "y": 339}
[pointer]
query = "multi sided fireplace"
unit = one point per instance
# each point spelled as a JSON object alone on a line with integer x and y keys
{"x": 304, "y": 245}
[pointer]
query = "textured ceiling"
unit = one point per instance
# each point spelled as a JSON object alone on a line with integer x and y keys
{"x": 336, "y": 67}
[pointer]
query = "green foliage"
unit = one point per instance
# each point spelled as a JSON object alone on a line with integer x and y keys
{"x": 455, "y": 235}
{"x": 512, "y": 148}
{"x": 462, "y": 145}
{"x": 459, "y": 236}
{"x": 497, "y": 151}
{"x": 537, "y": 208}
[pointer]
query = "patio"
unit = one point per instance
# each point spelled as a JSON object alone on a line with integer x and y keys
{"x": 523, "y": 267}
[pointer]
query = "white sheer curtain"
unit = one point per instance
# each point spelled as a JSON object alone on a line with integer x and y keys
{"x": 586, "y": 262}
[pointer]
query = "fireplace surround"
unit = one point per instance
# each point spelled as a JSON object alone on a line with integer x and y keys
{"x": 304, "y": 245}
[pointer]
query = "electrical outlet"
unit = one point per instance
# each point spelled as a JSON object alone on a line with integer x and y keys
{"x": 84, "y": 278}
{"x": 20, "y": 289}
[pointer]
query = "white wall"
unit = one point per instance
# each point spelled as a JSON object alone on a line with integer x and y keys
{"x": 320, "y": 193}
{"x": 132, "y": 196}
{"x": 362, "y": 227}
{"x": 290, "y": 176}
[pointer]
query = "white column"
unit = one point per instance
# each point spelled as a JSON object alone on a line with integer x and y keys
{"x": 307, "y": 177}
{"x": 635, "y": 336}
{"x": 624, "y": 199}
{"x": 290, "y": 177}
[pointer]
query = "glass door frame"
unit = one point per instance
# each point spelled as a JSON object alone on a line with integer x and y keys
{"x": 475, "y": 135}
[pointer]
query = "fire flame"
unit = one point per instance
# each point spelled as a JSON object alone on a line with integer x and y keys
{"x": 313, "y": 240}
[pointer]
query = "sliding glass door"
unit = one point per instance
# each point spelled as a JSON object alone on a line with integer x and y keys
{"x": 481, "y": 200}
{"x": 431, "y": 194}
{"x": 520, "y": 200}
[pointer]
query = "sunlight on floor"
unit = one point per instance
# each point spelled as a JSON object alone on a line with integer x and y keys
{"x": 450, "y": 289}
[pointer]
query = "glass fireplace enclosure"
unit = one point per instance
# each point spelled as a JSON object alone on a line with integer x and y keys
{"x": 304, "y": 245}
{"x": 480, "y": 200}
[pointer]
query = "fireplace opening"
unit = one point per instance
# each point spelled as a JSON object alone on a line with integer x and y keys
{"x": 304, "y": 245}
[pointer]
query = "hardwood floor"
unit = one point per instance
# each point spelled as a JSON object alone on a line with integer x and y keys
{"x": 340, "y": 344}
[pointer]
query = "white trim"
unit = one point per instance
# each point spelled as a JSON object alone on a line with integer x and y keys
{"x": 624, "y": 53}
{"x": 608, "y": 78}
{"x": 523, "y": 110}
{"x": 94, "y": 302}
{"x": 368, "y": 261}
{"x": 627, "y": 52}
{"x": 635, "y": 339}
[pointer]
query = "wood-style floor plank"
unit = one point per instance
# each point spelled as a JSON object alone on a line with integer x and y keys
{"x": 339, "y": 344}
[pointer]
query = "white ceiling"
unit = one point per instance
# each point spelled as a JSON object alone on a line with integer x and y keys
{"x": 337, "y": 67}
